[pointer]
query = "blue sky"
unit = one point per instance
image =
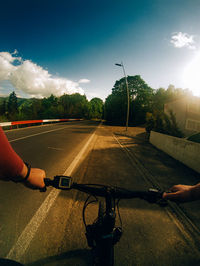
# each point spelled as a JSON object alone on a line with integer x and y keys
{"x": 67, "y": 46}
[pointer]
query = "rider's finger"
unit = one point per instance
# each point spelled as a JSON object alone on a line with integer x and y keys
{"x": 174, "y": 188}
{"x": 171, "y": 196}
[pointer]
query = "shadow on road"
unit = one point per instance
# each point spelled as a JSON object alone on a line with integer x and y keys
{"x": 150, "y": 236}
{"x": 70, "y": 258}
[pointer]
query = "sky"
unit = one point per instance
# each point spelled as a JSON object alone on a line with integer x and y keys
{"x": 67, "y": 46}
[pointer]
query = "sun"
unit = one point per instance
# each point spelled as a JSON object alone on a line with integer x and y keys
{"x": 191, "y": 76}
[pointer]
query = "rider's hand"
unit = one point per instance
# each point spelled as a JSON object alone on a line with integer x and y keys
{"x": 36, "y": 177}
{"x": 182, "y": 193}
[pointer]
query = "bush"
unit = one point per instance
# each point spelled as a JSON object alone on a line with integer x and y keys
{"x": 150, "y": 122}
{"x": 3, "y": 118}
{"x": 163, "y": 123}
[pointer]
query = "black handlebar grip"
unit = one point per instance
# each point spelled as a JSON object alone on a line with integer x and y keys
{"x": 44, "y": 189}
{"x": 48, "y": 182}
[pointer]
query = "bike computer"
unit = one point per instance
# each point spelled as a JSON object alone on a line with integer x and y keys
{"x": 63, "y": 182}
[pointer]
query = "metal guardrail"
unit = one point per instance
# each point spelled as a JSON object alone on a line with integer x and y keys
{"x": 40, "y": 121}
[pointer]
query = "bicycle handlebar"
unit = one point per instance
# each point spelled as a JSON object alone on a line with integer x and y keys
{"x": 65, "y": 183}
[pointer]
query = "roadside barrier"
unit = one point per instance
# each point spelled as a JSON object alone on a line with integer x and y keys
{"x": 40, "y": 121}
{"x": 185, "y": 151}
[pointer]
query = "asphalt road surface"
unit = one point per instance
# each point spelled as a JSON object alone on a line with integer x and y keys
{"x": 47, "y": 229}
{"x": 50, "y": 147}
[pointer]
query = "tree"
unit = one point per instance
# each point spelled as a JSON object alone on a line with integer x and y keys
{"x": 115, "y": 109}
{"x": 3, "y": 111}
{"x": 159, "y": 99}
{"x": 74, "y": 105}
{"x": 162, "y": 96}
{"x": 25, "y": 110}
{"x": 3, "y": 107}
{"x": 12, "y": 106}
{"x": 95, "y": 108}
{"x": 66, "y": 106}
{"x": 140, "y": 101}
{"x": 48, "y": 107}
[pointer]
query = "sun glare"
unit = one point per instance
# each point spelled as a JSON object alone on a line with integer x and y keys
{"x": 192, "y": 76}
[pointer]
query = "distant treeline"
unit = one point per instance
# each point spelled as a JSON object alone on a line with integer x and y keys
{"x": 66, "y": 106}
{"x": 143, "y": 99}
{"x": 146, "y": 106}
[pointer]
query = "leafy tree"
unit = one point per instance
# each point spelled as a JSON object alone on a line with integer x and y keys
{"x": 3, "y": 111}
{"x": 115, "y": 108}
{"x": 74, "y": 105}
{"x": 36, "y": 106}
{"x": 66, "y": 106}
{"x": 95, "y": 108}
{"x": 12, "y": 105}
{"x": 48, "y": 107}
{"x": 25, "y": 110}
{"x": 140, "y": 100}
{"x": 162, "y": 96}
{"x": 30, "y": 109}
{"x": 3, "y": 107}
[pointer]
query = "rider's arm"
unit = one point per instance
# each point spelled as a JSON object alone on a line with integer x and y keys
{"x": 183, "y": 193}
{"x": 12, "y": 166}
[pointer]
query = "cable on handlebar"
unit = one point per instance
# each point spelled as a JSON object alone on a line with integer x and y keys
{"x": 87, "y": 202}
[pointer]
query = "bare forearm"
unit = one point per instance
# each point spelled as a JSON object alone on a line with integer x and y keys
{"x": 183, "y": 193}
{"x": 12, "y": 166}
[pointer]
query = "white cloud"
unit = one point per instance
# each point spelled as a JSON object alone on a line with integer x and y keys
{"x": 84, "y": 81}
{"x": 15, "y": 52}
{"x": 180, "y": 40}
{"x": 32, "y": 79}
{"x": 6, "y": 67}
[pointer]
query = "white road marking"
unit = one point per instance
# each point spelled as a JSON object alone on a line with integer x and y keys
{"x": 36, "y": 134}
{"x": 23, "y": 242}
{"x": 54, "y": 148}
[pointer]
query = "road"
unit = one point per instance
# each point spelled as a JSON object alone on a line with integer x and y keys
{"x": 35, "y": 234}
{"x": 50, "y": 147}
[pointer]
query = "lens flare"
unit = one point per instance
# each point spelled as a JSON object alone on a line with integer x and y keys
{"x": 191, "y": 76}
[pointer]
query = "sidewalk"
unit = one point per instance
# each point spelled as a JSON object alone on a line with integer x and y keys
{"x": 134, "y": 132}
{"x": 151, "y": 236}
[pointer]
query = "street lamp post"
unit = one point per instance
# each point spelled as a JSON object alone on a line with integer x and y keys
{"x": 127, "y": 114}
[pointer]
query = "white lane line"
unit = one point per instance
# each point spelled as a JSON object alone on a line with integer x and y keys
{"x": 36, "y": 134}
{"x": 20, "y": 247}
{"x": 54, "y": 148}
